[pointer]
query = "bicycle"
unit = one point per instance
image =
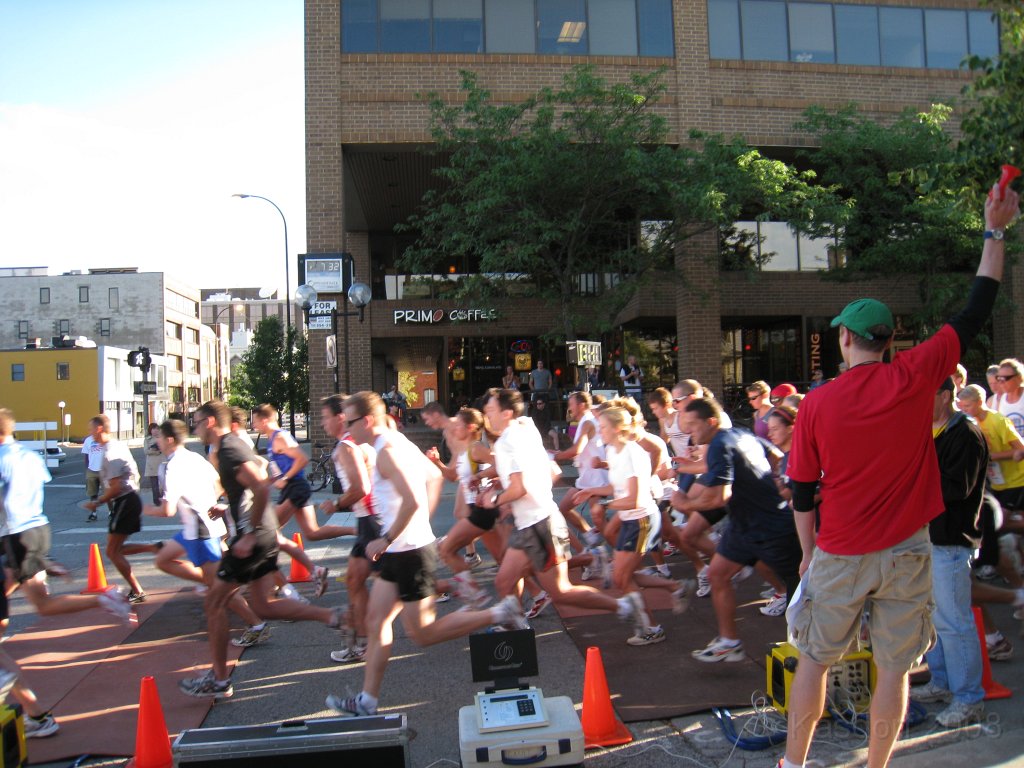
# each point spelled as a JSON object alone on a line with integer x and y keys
{"x": 321, "y": 468}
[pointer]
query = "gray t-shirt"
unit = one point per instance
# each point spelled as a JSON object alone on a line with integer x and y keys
{"x": 540, "y": 378}
{"x": 119, "y": 462}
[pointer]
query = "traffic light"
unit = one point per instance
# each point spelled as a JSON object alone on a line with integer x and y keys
{"x": 140, "y": 359}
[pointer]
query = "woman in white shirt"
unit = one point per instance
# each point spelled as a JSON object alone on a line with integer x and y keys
{"x": 633, "y": 488}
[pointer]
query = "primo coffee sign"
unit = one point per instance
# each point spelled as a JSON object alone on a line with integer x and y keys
{"x": 432, "y": 316}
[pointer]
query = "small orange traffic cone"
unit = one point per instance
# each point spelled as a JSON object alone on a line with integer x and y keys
{"x": 152, "y": 742}
{"x": 299, "y": 574}
{"x": 993, "y": 690}
{"x": 97, "y": 583}
{"x": 601, "y": 727}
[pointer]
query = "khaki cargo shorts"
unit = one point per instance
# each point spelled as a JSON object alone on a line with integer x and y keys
{"x": 894, "y": 585}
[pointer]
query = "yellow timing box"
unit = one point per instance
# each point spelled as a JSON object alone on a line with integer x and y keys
{"x": 13, "y": 753}
{"x": 849, "y": 683}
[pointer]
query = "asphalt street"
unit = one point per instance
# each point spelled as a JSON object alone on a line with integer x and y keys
{"x": 289, "y": 677}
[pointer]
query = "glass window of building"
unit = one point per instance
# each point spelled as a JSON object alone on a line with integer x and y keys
{"x": 63, "y": 371}
{"x": 810, "y": 32}
{"x": 983, "y": 33}
{"x": 64, "y": 327}
{"x": 359, "y": 26}
{"x": 83, "y": 294}
{"x": 458, "y": 26}
{"x": 562, "y": 27}
{"x": 44, "y": 295}
{"x": 656, "y": 29}
{"x": 23, "y": 329}
{"x": 946, "y": 36}
{"x": 104, "y": 326}
{"x": 902, "y": 36}
{"x": 857, "y": 35}
{"x": 17, "y": 371}
{"x": 763, "y": 23}
{"x": 509, "y": 26}
{"x": 172, "y": 329}
{"x": 113, "y": 298}
{"x": 724, "y": 29}
{"x": 612, "y": 28}
{"x": 778, "y": 246}
{"x": 814, "y": 252}
{"x": 405, "y": 26}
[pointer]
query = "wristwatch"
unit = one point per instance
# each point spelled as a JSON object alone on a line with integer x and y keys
{"x": 994, "y": 234}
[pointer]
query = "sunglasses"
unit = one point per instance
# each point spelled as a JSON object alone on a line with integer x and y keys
{"x": 1007, "y": 378}
{"x": 752, "y": 398}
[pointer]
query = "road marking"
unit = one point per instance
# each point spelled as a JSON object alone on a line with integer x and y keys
{"x": 79, "y": 486}
{"x": 103, "y": 529}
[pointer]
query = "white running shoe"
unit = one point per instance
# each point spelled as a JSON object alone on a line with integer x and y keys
{"x": 719, "y": 650}
{"x": 472, "y": 559}
{"x": 652, "y": 636}
{"x": 588, "y": 573}
{"x": 744, "y": 573}
{"x": 655, "y": 570}
{"x": 351, "y": 655}
{"x": 115, "y": 602}
{"x": 320, "y": 578}
{"x": 682, "y": 596}
{"x": 510, "y": 614}
{"x": 775, "y": 607}
{"x": 703, "y": 583}
{"x": 542, "y": 601}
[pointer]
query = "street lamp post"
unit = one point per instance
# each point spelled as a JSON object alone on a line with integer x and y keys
{"x": 288, "y": 311}
{"x": 359, "y": 296}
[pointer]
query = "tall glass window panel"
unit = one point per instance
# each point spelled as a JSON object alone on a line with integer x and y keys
{"x": 562, "y": 27}
{"x": 724, "y": 29}
{"x": 902, "y": 37}
{"x": 612, "y": 28}
{"x": 656, "y": 28}
{"x": 458, "y": 26}
{"x": 810, "y": 32}
{"x": 405, "y": 26}
{"x": 857, "y": 35}
{"x": 945, "y": 34}
{"x": 359, "y": 26}
{"x": 814, "y": 252}
{"x": 764, "y": 30}
{"x": 778, "y": 240}
{"x": 509, "y": 26}
{"x": 983, "y": 33}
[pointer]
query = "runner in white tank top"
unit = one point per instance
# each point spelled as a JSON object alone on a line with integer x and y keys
{"x": 406, "y": 487}
{"x": 584, "y": 451}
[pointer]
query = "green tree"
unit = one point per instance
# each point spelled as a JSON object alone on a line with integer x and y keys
{"x": 993, "y": 124}
{"x": 262, "y": 375}
{"x": 904, "y": 194}
{"x": 537, "y": 193}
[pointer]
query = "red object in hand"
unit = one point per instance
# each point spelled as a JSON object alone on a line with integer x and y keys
{"x": 1010, "y": 173}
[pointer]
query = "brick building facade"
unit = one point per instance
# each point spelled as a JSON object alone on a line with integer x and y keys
{"x": 367, "y": 122}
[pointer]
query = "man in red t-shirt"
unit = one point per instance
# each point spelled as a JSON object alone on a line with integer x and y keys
{"x": 866, "y": 440}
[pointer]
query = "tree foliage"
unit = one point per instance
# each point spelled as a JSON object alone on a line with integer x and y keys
{"x": 262, "y": 375}
{"x": 536, "y": 193}
{"x": 904, "y": 190}
{"x": 993, "y": 125}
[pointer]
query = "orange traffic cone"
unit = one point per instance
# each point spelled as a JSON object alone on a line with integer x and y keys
{"x": 601, "y": 727}
{"x": 993, "y": 690}
{"x": 97, "y": 578}
{"x": 152, "y": 742}
{"x": 299, "y": 574}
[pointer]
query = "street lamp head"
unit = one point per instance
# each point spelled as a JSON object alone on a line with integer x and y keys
{"x": 305, "y": 295}
{"x": 238, "y": 194}
{"x": 61, "y": 404}
{"x": 359, "y": 294}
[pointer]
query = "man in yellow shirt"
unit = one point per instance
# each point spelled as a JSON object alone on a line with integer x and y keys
{"x": 1005, "y": 471}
